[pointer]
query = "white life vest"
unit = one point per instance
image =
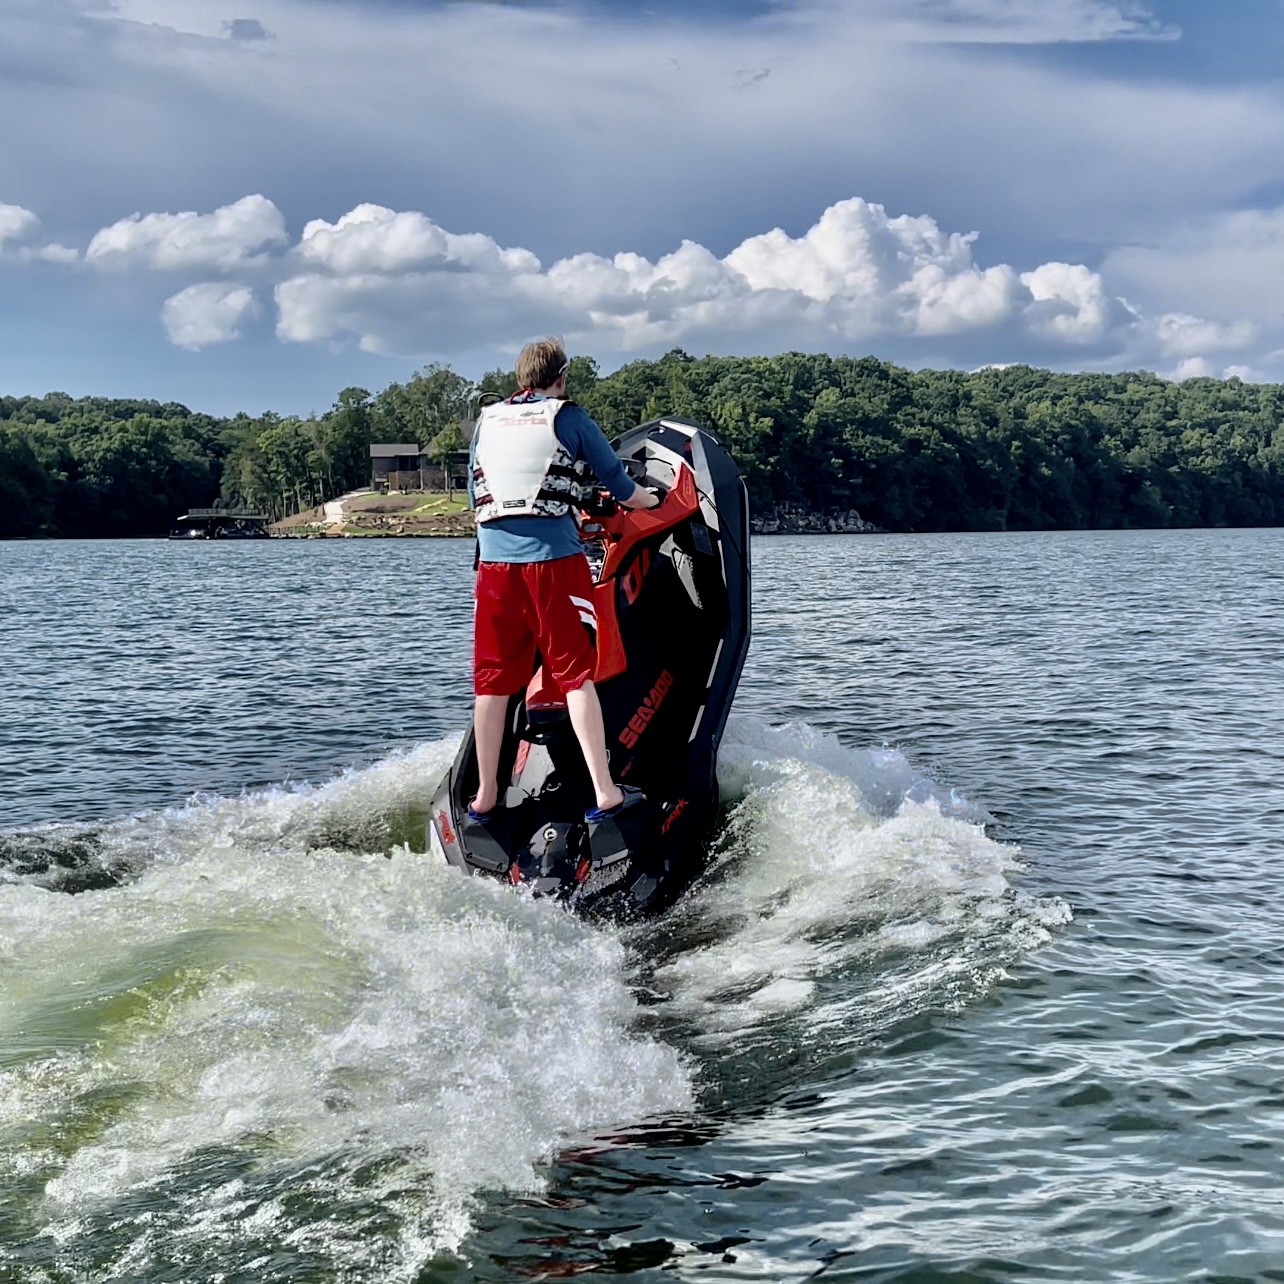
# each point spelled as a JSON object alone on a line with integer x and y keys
{"x": 520, "y": 469}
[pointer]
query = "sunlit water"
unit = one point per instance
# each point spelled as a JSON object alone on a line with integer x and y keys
{"x": 985, "y": 982}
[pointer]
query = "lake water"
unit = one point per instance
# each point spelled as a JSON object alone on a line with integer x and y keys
{"x": 986, "y": 982}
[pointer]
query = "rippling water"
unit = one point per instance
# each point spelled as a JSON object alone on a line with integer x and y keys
{"x": 985, "y": 982}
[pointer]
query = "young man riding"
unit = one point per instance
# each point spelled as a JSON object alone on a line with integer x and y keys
{"x": 534, "y": 589}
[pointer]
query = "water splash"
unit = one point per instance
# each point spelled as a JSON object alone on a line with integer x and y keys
{"x": 265, "y": 1024}
{"x": 848, "y": 871}
{"x": 275, "y": 1035}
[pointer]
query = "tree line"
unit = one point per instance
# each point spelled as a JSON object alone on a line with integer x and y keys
{"x": 1013, "y": 448}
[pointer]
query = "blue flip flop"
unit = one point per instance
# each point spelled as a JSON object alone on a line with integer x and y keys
{"x": 481, "y": 817}
{"x": 631, "y": 794}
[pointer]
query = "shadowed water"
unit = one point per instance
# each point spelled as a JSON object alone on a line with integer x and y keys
{"x": 984, "y": 981}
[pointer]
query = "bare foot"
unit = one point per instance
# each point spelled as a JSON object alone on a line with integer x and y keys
{"x": 613, "y": 799}
{"x": 483, "y": 803}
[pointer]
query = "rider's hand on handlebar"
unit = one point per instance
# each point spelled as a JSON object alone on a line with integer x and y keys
{"x": 642, "y": 497}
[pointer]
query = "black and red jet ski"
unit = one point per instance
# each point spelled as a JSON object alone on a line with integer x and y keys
{"x": 672, "y": 604}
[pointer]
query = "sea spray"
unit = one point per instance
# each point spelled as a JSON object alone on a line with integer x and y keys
{"x": 847, "y": 869}
{"x": 274, "y": 1038}
{"x": 284, "y": 1031}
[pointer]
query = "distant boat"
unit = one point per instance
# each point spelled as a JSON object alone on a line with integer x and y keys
{"x": 220, "y": 523}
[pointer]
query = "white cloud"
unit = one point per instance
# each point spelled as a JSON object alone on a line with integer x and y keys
{"x": 876, "y": 273}
{"x": 1203, "y": 368}
{"x": 208, "y": 313}
{"x": 374, "y": 239}
{"x": 1192, "y": 368}
{"x": 1181, "y": 335}
{"x": 399, "y": 283}
{"x": 1071, "y": 303}
{"x": 53, "y": 253}
{"x": 1247, "y": 374}
{"x": 17, "y": 224}
{"x": 225, "y": 240}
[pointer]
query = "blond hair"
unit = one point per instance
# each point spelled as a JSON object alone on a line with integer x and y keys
{"x": 539, "y": 364}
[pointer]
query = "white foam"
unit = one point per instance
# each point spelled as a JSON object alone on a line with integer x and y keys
{"x": 311, "y": 1005}
{"x": 833, "y": 859}
{"x": 284, "y": 982}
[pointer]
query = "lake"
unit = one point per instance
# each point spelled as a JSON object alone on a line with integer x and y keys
{"x": 985, "y": 981}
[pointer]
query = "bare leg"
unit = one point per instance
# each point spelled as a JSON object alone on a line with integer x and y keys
{"x": 586, "y": 717}
{"x": 489, "y": 715}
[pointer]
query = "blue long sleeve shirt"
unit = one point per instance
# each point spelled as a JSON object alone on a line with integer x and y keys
{"x": 544, "y": 539}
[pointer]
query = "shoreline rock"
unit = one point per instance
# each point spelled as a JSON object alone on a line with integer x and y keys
{"x": 794, "y": 519}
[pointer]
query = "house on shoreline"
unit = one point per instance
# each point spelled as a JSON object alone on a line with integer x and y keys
{"x": 403, "y": 466}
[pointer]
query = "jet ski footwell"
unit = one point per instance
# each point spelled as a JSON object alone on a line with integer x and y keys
{"x": 672, "y": 604}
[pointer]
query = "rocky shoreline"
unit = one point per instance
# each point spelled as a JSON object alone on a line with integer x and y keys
{"x": 794, "y": 519}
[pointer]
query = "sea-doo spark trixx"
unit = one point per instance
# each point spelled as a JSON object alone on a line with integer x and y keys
{"x": 672, "y": 605}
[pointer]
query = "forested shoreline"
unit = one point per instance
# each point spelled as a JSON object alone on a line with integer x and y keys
{"x": 1012, "y": 448}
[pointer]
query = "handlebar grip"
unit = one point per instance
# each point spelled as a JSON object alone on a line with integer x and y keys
{"x": 600, "y": 504}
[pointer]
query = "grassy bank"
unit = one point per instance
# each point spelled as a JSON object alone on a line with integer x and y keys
{"x": 372, "y": 515}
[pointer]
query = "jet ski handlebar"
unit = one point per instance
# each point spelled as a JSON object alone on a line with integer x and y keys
{"x": 602, "y": 517}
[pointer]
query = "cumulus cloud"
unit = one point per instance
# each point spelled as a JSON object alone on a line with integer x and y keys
{"x": 228, "y": 239}
{"x": 50, "y": 253}
{"x": 374, "y": 239}
{"x": 1071, "y": 304}
{"x": 19, "y": 225}
{"x": 399, "y": 283}
{"x": 1203, "y": 368}
{"x": 209, "y": 313}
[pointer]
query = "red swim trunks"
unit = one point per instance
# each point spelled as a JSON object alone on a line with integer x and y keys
{"x": 522, "y": 606}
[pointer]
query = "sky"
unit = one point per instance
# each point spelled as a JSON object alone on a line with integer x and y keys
{"x": 252, "y": 204}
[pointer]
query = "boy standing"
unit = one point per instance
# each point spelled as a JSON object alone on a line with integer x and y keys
{"x": 534, "y": 589}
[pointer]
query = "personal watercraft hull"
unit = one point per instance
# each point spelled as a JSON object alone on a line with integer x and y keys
{"x": 673, "y": 615}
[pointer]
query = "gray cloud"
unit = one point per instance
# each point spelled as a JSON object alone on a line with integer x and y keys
{"x": 1231, "y": 264}
{"x": 166, "y": 111}
{"x": 922, "y": 105}
{"x": 246, "y": 29}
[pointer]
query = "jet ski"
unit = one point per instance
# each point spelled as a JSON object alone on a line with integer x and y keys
{"x": 671, "y": 597}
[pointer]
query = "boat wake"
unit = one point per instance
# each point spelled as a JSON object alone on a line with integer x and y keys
{"x": 267, "y": 1025}
{"x": 849, "y": 896}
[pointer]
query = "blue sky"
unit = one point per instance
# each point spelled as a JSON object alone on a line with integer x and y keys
{"x": 251, "y": 204}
